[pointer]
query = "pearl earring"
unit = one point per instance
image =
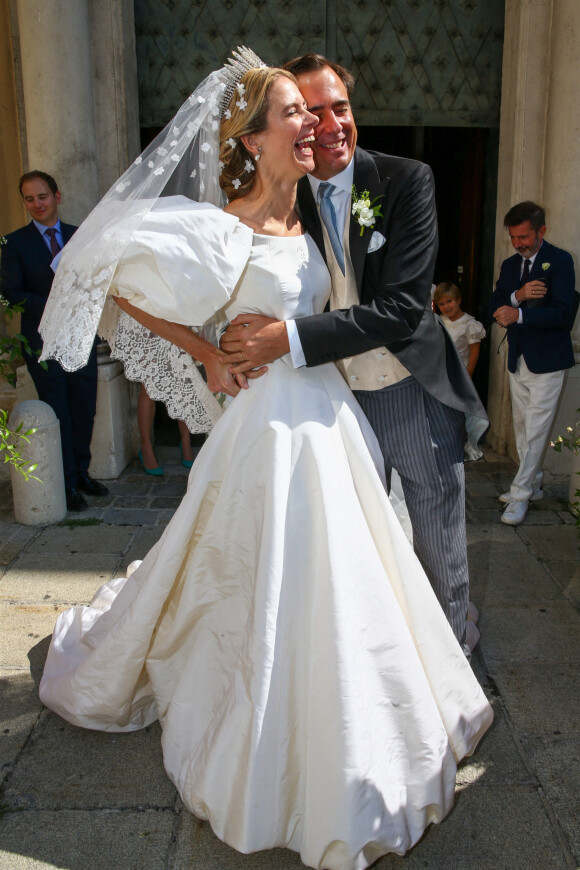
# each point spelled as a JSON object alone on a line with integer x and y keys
{"x": 259, "y": 154}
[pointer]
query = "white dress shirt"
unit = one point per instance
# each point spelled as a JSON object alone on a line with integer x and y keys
{"x": 341, "y": 202}
{"x": 515, "y": 303}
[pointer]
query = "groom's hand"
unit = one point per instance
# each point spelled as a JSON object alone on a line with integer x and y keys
{"x": 253, "y": 340}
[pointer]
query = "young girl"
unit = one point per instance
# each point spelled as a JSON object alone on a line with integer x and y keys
{"x": 466, "y": 333}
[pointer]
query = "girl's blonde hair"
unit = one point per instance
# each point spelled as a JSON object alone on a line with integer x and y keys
{"x": 244, "y": 122}
{"x": 446, "y": 288}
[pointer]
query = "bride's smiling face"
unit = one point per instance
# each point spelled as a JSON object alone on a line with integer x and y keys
{"x": 286, "y": 142}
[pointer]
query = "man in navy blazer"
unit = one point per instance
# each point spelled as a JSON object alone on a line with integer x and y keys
{"x": 536, "y": 301}
{"x": 26, "y": 278}
{"x": 392, "y": 350}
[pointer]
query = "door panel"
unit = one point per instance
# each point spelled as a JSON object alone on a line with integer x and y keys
{"x": 416, "y": 62}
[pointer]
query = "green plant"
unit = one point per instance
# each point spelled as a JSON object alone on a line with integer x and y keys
{"x": 571, "y": 441}
{"x": 10, "y": 440}
{"x": 11, "y": 347}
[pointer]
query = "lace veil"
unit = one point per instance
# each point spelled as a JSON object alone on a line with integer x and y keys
{"x": 182, "y": 160}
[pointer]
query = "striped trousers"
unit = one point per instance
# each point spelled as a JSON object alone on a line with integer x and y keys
{"x": 423, "y": 440}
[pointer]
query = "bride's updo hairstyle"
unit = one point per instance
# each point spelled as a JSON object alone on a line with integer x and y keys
{"x": 238, "y": 173}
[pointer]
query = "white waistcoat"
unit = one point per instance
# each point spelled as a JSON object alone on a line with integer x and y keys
{"x": 376, "y": 368}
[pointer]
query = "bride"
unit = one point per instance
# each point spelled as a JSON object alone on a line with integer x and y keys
{"x": 311, "y": 693}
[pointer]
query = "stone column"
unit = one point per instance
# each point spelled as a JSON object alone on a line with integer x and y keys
{"x": 116, "y": 94}
{"x": 59, "y": 113}
{"x": 561, "y": 196}
{"x": 538, "y": 160}
{"x": 526, "y": 61}
{"x": 79, "y": 121}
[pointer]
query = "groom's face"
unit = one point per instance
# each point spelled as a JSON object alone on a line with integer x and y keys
{"x": 335, "y": 133}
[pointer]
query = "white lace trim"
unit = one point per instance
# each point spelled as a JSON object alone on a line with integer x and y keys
{"x": 169, "y": 375}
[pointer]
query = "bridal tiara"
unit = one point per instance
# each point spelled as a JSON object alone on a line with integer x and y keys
{"x": 241, "y": 62}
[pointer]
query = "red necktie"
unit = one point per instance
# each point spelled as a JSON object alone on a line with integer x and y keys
{"x": 54, "y": 245}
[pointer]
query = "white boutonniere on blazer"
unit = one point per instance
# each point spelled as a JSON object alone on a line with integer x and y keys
{"x": 364, "y": 211}
{"x": 545, "y": 266}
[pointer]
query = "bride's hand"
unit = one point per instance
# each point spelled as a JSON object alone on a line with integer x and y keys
{"x": 219, "y": 378}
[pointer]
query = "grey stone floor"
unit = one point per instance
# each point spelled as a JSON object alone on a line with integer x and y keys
{"x": 86, "y": 800}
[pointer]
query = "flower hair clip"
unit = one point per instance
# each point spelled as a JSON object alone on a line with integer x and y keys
{"x": 241, "y": 103}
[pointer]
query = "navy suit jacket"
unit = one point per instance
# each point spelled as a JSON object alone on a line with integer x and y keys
{"x": 26, "y": 276}
{"x": 393, "y": 282}
{"x": 543, "y": 338}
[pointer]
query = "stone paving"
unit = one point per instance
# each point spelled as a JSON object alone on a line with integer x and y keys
{"x": 86, "y": 800}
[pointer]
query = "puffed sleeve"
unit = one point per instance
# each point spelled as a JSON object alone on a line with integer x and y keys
{"x": 475, "y": 332}
{"x": 183, "y": 262}
{"x": 172, "y": 258}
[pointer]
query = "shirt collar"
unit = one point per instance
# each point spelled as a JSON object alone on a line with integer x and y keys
{"x": 342, "y": 181}
{"x": 42, "y": 228}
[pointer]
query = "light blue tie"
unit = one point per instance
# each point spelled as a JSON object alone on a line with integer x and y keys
{"x": 328, "y": 215}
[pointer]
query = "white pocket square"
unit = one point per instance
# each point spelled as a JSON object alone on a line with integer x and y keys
{"x": 377, "y": 241}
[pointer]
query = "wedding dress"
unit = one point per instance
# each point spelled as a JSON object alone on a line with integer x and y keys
{"x": 311, "y": 693}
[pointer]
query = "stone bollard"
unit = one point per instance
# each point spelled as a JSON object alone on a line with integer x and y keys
{"x": 35, "y": 503}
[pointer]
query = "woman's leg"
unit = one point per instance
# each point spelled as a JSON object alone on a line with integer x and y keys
{"x": 145, "y": 418}
{"x": 186, "y": 449}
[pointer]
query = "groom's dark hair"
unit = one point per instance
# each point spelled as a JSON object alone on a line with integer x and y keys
{"x": 308, "y": 63}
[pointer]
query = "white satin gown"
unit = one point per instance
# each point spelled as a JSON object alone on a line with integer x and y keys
{"x": 311, "y": 693}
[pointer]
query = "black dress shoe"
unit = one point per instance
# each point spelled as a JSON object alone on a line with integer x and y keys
{"x": 74, "y": 500}
{"x": 90, "y": 486}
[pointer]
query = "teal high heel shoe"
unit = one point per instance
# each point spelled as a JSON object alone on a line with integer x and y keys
{"x": 187, "y": 463}
{"x": 155, "y": 472}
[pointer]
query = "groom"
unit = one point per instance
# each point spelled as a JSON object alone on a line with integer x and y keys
{"x": 393, "y": 351}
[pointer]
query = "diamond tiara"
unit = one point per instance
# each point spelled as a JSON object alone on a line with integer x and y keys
{"x": 240, "y": 63}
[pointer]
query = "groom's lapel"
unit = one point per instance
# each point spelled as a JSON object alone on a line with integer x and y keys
{"x": 365, "y": 177}
{"x": 309, "y": 214}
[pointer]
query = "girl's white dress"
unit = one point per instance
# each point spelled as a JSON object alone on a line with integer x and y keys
{"x": 465, "y": 331}
{"x": 310, "y": 690}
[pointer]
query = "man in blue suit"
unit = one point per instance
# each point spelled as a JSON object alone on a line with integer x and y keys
{"x": 536, "y": 301}
{"x": 26, "y": 278}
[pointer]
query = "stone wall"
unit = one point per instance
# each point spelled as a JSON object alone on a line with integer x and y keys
{"x": 538, "y": 160}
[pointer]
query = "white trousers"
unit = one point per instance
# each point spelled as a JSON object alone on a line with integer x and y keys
{"x": 534, "y": 401}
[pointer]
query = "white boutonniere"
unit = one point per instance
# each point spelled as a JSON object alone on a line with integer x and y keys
{"x": 364, "y": 211}
{"x": 545, "y": 266}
